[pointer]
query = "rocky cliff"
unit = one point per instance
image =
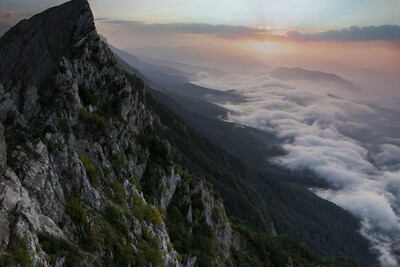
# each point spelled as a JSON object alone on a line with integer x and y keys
{"x": 74, "y": 152}
{"x": 85, "y": 178}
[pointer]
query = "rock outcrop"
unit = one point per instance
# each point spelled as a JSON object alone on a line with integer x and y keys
{"x": 75, "y": 153}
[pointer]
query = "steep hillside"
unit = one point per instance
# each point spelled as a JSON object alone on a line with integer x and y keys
{"x": 91, "y": 173}
{"x": 253, "y": 196}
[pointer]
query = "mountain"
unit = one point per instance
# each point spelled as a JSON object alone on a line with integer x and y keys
{"x": 184, "y": 67}
{"x": 287, "y": 74}
{"x": 216, "y": 58}
{"x": 95, "y": 172}
{"x": 304, "y": 217}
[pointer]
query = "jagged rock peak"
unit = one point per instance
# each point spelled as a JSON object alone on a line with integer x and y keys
{"x": 39, "y": 42}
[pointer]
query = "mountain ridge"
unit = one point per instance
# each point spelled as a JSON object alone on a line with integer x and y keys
{"x": 297, "y": 73}
{"x": 47, "y": 35}
{"x": 216, "y": 130}
{"x": 87, "y": 176}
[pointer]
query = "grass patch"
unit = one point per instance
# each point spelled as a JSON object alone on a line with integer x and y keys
{"x": 75, "y": 210}
{"x": 119, "y": 191}
{"x": 91, "y": 170}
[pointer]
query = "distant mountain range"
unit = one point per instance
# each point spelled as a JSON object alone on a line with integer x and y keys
{"x": 289, "y": 74}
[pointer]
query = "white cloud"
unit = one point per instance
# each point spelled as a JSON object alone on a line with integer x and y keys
{"x": 320, "y": 134}
{"x": 389, "y": 154}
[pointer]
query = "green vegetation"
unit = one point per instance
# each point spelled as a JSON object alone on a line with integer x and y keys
{"x": 111, "y": 107}
{"x": 115, "y": 233}
{"x": 119, "y": 191}
{"x": 63, "y": 125}
{"x": 158, "y": 163}
{"x": 75, "y": 210}
{"x": 118, "y": 163}
{"x": 145, "y": 211}
{"x": 152, "y": 215}
{"x": 19, "y": 137}
{"x": 153, "y": 256}
{"x": 6, "y": 260}
{"x": 150, "y": 181}
{"x": 137, "y": 199}
{"x": 17, "y": 254}
{"x": 77, "y": 51}
{"x": 87, "y": 96}
{"x": 93, "y": 121}
{"x": 92, "y": 239}
{"x": 195, "y": 238}
{"x": 112, "y": 61}
{"x": 56, "y": 247}
{"x": 159, "y": 154}
{"x": 91, "y": 170}
{"x": 262, "y": 198}
{"x": 279, "y": 251}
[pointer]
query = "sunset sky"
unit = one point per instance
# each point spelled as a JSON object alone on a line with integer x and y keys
{"x": 359, "y": 33}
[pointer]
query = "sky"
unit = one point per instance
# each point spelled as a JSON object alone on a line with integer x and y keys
{"x": 340, "y": 30}
{"x": 358, "y": 40}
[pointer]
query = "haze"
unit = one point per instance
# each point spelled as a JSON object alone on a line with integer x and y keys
{"x": 347, "y": 136}
{"x": 355, "y": 39}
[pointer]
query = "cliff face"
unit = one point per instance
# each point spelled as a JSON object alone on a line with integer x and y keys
{"x": 33, "y": 47}
{"x": 76, "y": 147}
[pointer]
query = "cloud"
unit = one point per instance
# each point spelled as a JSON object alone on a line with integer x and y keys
{"x": 352, "y": 34}
{"x": 315, "y": 131}
{"x": 9, "y": 14}
{"x": 389, "y": 154}
{"x": 222, "y": 31}
{"x": 7, "y": 20}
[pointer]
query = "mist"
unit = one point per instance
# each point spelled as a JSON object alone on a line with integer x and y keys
{"x": 352, "y": 145}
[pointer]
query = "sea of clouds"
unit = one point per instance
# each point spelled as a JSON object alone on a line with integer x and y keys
{"x": 353, "y": 146}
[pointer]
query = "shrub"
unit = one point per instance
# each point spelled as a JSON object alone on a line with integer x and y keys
{"x": 137, "y": 199}
{"x": 152, "y": 215}
{"x": 58, "y": 247}
{"x": 75, "y": 210}
{"x": 112, "y": 61}
{"x": 150, "y": 181}
{"x": 93, "y": 121}
{"x": 86, "y": 95}
{"x": 20, "y": 253}
{"x": 70, "y": 98}
{"x": 84, "y": 115}
{"x": 113, "y": 215}
{"x": 98, "y": 123}
{"x": 51, "y": 146}
{"x": 119, "y": 191}
{"x": 154, "y": 257}
{"x": 118, "y": 162}
{"x": 93, "y": 239}
{"x": 91, "y": 170}
{"x": 63, "y": 124}
{"x": 111, "y": 107}
{"x": 6, "y": 260}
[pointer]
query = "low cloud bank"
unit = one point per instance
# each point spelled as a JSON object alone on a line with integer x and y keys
{"x": 390, "y": 33}
{"x": 335, "y": 138}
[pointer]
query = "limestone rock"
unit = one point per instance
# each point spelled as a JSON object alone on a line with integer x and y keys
{"x": 3, "y": 150}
